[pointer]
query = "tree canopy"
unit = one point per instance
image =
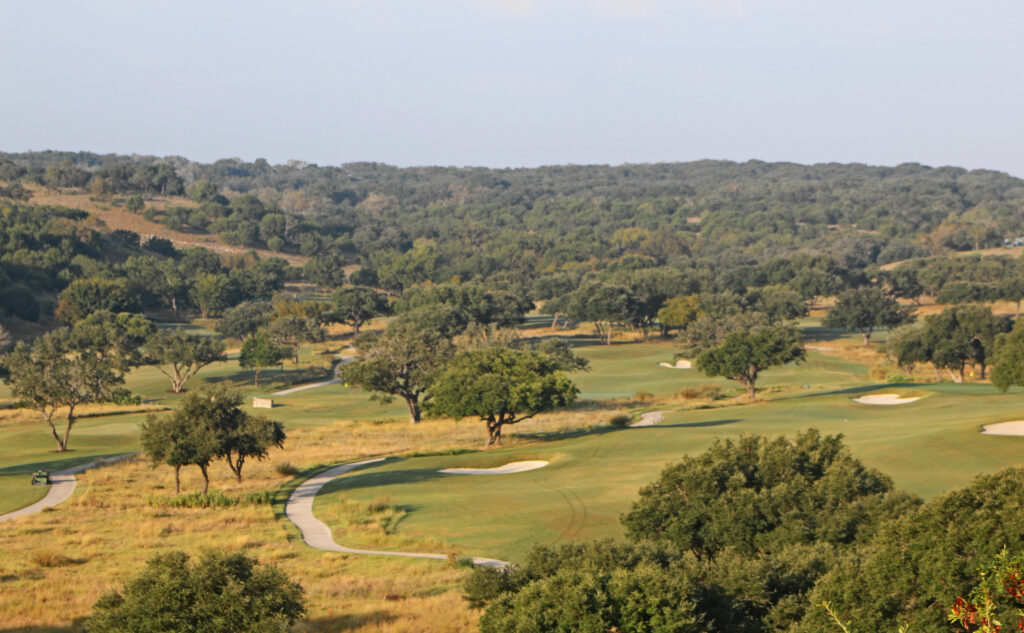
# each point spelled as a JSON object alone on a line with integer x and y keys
{"x": 864, "y": 309}
{"x": 502, "y": 387}
{"x": 743, "y": 355}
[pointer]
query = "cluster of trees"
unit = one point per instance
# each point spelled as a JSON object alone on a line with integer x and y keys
{"x": 958, "y": 337}
{"x": 245, "y": 220}
{"x": 209, "y": 425}
{"x": 751, "y": 536}
{"x": 446, "y": 350}
{"x": 971, "y": 278}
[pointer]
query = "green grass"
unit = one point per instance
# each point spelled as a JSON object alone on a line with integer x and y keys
{"x": 927, "y": 447}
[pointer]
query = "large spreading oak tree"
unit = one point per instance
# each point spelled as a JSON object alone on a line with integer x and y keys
{"x": 51, "y": 375}
{"x": 501, "y": 386}
{"x": 180, "y": 356}
{"x": 355, "y": 305}
{"x": 743, "y": 355}
{"x": 402, "y": 361}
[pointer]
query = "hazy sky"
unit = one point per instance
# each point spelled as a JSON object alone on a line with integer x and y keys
{"x": 519, "y": 82}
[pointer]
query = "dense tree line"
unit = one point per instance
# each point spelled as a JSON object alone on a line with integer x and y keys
{"x": 409, "y": 225}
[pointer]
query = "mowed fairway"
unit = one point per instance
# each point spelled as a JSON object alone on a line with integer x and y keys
{"x": 927, "y": 447}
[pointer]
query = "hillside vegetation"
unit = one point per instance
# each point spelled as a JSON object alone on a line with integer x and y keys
{"x": 692, "y": 357}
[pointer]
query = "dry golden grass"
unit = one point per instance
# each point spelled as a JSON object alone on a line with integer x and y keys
{"x": 11, "y": 415}
{"x": 119, "y": 218}
{"x": 56, "y": 564}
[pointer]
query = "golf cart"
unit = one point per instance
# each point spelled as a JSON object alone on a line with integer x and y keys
{"x": 40, "y": 478}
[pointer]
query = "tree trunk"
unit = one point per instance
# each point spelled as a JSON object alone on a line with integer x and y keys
{"x": 414, "y": 409}
{"x": 177, "y": 479}
{"x": 67, "y": 429}
{"x": 256, "y": 377}
{"x": 177, "y": 384}
{"x": 61, "y": 446}
{"x": 554, "y": 321}
{"x": 236, "y": 467}
{"x": 608, "y": 334}
{"x": 355, "y": 327}
{"x": 983, "y": 366}
{"x": 206, "y": 478}
{"x": 493, "y": 434}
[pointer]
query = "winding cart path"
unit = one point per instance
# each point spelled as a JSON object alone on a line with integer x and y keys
{"x": 62, "y": 486}
{"x": 316, "y": 534}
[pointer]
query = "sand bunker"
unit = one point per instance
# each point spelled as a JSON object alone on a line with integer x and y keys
{"x": 680, "y": 364}
{"x": 1004, "y": 428}
{"x": 884, "y": 398}
{"x": 507, "y": 469}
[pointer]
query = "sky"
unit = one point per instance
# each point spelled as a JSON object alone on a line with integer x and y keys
{"x": 509, "y": 83}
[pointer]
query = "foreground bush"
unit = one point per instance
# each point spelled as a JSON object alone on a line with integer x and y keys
{"x": 918, "y": 565}
{"x": 222, "y": 593}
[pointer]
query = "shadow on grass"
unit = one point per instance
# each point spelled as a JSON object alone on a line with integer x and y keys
{"x": 75, "y": 627}
{"x": 567, "y": 434}
{"x": 816, "y": 333}
{"x": 52, "y": 465}
{"x": 848, "y": 390}
{"x": 381, "y": 478}
{"x": 336, "y": 623}
{"x": 274, "y": 378}
{"x": 693, "y": 425}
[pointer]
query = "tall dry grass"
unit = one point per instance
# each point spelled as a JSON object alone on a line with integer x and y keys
{"x": 56, "y": 564}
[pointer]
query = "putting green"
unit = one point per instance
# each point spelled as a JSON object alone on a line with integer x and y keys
{"x": 927, "y": 447}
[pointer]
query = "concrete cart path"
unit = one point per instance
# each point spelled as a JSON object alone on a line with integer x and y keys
{"x": 649, "y": 419}
{"x": 316, "y": 534}
{"x": 344, "y": 360}
{"x": 314, "y": 385}
{"x": 62, "y": 486}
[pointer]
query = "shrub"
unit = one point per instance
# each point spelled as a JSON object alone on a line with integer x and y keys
{"x": 711, "y": 392}
{"x": 221, "y": 593}
{"x": 688, "y": 393}
{"x": 287, "y": 469}
{"x": 52, "y": 559}
{"x": 621, "y": 420}
{"x": 643, "y": 396}
{"x": 212, "y": 500}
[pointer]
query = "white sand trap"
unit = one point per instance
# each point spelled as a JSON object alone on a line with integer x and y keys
{"x": 680, "y": 364}
{"x": 1004, "y": 428}
{"x": 884, "y": 398}
{"x": 507, "y": 469}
